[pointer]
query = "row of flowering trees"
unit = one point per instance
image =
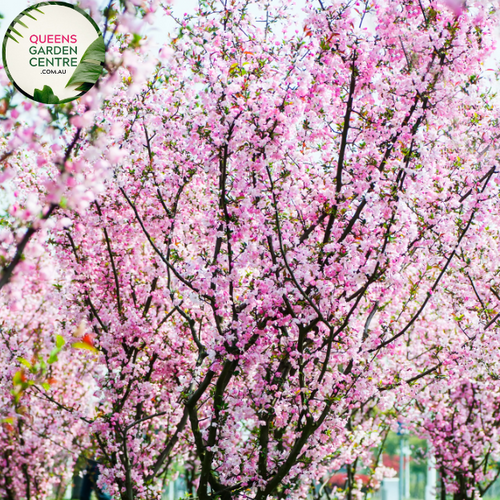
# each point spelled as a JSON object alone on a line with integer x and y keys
{"x": 255, "y": 255}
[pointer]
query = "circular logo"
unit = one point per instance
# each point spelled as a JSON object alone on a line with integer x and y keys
{"x": 53, "y": 52}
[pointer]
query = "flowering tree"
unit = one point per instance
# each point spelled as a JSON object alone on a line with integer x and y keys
{"x": 458, "y": 413}
{"x": 40, "y": 439}
{"x": 26, "y": 129}
{"x": 277, "y": 246}
{"x": 462, "y": 425}
{"x": 46, "y": 394}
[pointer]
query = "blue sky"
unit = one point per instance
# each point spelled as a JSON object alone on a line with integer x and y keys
{"x": 10, "y": 9}
{"x": 159, "y": 32}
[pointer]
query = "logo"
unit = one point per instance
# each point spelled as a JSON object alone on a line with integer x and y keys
{"x": 53, "y": 52}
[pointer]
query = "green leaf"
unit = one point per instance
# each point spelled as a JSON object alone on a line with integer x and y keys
{"x": 60, "y": 341}
{"x": 25, "y": 362}
{"x": 86, "y": 72}
{"x": 90, "y": 68}
{"x": 18, "y": 378}
{"x": 95, "y": 51}
{"x": 53, "y": 355}
{"x": 84, "y": 87}
{"x": 84, "y": 345}
{"x": 46, "y": 95}
{"x": 17, "y": 394}
{"x": 52, "y": 359}
{"x": 46, "y": 386}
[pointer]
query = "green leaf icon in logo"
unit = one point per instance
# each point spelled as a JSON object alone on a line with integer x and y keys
{"x": 46, "y": 95}
{"x": 90, "y": 67}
